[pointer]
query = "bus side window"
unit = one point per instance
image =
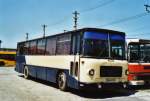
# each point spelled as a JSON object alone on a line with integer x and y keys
{"x": 51, "y": 46}
{"x": 41, "y": 46}
{"x": 23, "y": 48}
{"x": 33, "y": 47}
{"x": 26, "y": 48}
{"x": 63, "y": 44}
{"x": 19, "y": 49}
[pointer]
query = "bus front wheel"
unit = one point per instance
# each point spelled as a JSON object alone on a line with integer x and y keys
{"x": 26, "y": 72}
{"x": 62, "y": 81}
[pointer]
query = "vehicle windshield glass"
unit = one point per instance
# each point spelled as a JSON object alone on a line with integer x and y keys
{"x": 139, "y": 52}
{"x": 96, "y": 48}
{"x": 97, "y": 45}
{"x": 118, "y": 49}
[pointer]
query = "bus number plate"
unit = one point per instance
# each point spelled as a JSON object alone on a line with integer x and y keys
{"x": 110, "y": 80}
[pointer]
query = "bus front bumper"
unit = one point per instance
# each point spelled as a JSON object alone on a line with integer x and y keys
{"x": 136, "y": 82}
{"x": 102, "y": 86}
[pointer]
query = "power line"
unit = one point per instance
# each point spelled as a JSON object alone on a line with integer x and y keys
{"x": 82, "y": 11}
{"x": 59, "y": 22}
{"x": 137, "y": 29}
{"x": 125, "y": 19}
{"x": 139, "y": 34}
{"x": 98, "y": 6}
{"x": 108, "y": 24}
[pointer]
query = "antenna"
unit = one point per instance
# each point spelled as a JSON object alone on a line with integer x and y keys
{"x": 75, "y": 19}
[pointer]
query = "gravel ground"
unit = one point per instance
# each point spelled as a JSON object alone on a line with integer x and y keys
{"x": 13, "y": 87}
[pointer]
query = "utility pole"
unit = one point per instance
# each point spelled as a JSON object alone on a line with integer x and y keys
{"x": 75, "y": 19}
{"x": 65, "y": 31}
{"x": 44, "y": 26}
{"x": 0, "y": 43}
{"x": 27, "y": 36}
{"x": 147, "y": 8}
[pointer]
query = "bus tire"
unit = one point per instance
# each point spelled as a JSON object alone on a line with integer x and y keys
{"x": 62, "y": 81}
{"x": 2, "y": 63}
{"x": 26, "y": 72}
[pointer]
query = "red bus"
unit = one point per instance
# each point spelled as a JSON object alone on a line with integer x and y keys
{"x": 138, "y": 61}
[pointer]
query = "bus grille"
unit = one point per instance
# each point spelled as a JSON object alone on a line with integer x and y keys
{"x": 110, "y": 71}
{"x": 146, "y": 77}
{"x": 146, "y": 67}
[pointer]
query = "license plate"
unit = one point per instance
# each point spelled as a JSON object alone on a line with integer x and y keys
{"x": 110, "y": 80}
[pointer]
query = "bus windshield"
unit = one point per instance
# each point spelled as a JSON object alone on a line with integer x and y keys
{"x": 96, "y": 48}
{"x": 140, "y": 52}
{"x": 118, "y": 49}
{"x": 97, "y": 45}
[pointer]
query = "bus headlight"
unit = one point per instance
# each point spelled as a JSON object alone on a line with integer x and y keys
{"x": 91, "y": 72}
{"x": 134, "y": 77}
{"x": 126, "y": 72}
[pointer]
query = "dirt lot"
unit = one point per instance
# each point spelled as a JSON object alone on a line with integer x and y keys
{"x": 13, "y": 87}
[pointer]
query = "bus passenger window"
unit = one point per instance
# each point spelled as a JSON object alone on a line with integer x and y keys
{"x": 51, "y": 46}
{"x": 41, "y": 47}
{"x": 32, "y": 49}
{"x": 63, "y": 44}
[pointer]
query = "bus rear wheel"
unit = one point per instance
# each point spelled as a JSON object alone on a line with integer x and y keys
{"x": 2, "y": 63}
{"x": 62, "y": 81}
{"x": 26, "y": 72}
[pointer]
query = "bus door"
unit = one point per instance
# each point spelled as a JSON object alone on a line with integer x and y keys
{"x": 75, "y": 64}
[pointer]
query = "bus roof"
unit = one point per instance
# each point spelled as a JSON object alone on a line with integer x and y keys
{"x": 80, "y": 30}
{"x": 136, "y": 40}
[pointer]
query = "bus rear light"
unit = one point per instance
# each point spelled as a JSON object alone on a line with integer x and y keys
{"x": 134, "y": 77}
{"x": 91, "y": 72}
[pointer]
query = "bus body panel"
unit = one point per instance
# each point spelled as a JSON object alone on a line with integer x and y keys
{"x": 48, "y": 69}
{"x": 20, "y": 63}
{"x": 139, "y": 67}
{"x": 62, "y": 62}
{"x": 139, "y": 73}
{"x": 96, "y": 65}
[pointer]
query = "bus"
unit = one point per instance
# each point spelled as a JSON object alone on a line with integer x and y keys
{"x": 7, "y": 57}
{"x": 139, "y": 61}
{"x": 86, "y": 58}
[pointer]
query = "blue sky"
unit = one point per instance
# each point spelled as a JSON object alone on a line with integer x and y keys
{"x": 20, "y": 16}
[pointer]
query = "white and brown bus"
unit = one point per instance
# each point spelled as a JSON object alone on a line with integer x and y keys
{"x": 84, "y": 58}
